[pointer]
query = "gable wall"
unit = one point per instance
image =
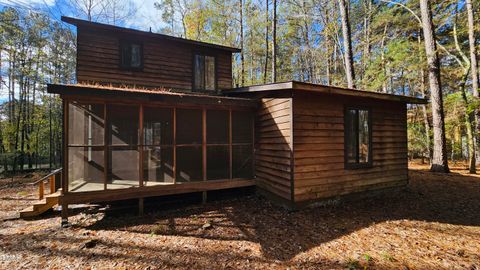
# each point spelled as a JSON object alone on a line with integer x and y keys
{"x": 166, "y": 63}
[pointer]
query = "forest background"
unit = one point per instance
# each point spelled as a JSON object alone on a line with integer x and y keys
{"x": 375, "y": 45}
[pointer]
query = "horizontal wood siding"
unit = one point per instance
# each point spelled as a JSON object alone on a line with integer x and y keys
{"x": 273, "y": 146}
{"x": 166, "y": 63}
{"x": 319, "y": 147}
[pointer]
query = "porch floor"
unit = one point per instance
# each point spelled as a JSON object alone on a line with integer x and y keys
{"x": 84, "y": 186}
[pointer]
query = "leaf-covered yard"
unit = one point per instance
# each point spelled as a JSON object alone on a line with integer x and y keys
{"x": 433, "y": 224}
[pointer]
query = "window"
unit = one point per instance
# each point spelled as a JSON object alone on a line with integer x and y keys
{"x": 131, "y": 55}
{"x": 204, "y": 73}
{"x": 358, "y": 134}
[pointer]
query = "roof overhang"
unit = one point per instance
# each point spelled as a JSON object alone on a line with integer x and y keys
{"x": 117, "y": 29}
{"x": 166, "y": 96}
{"x": 318, "y": 88}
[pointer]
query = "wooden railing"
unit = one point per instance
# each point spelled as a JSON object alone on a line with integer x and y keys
{"x": 52, "y": 183}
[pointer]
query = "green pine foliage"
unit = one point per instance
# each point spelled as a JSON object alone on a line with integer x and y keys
{"x": 35, "y": 51}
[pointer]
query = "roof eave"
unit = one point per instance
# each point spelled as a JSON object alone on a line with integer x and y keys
{"x": 317, "y": 88}
{"x": 77, "y": 22}
{"x": 87, "y": 91}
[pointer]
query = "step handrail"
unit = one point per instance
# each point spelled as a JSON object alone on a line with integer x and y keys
{"x": 51, "y": 179}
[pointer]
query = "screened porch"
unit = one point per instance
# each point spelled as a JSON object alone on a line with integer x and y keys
{"x": 118, "y": 145}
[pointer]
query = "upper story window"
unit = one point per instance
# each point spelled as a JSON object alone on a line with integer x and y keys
{"x": 204, "y": 73}
{"x": 358, "y": 138}
{"x": 131, "y": 55}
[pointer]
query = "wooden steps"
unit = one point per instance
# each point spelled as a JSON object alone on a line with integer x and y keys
{"x": 41, "y": 206}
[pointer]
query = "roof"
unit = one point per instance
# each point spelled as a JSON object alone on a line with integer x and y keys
{"x": 319, "y": 88}
{"x": 79, "y": 22}
{"x": 160, "y": 94}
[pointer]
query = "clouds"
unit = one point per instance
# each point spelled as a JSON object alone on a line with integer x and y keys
{"x": 27, "y": 4}
{"x": 146, "y": 16}
{"x": 142, "y": 13}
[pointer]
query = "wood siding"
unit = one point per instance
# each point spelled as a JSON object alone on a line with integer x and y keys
{"x": 166, "y": 63}
{"x": 319, "y": 169}
{"x": 273, "y": 153}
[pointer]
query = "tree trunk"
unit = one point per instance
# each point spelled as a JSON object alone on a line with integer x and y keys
{"x": 469, "y": 119}
{"x": 50, "y": 146}
{"x": 439, "y": 160}
{"x": 366, "y": 44}
{"x": 347, "y": 44}
{"x": 473, "y": 64}
{"x": 384, "y": 64}
{"x": 473, "y": 50}
{"x": 425, "y": 119}
{"x": 242, "y": 57}
{"x": 328, "y": 49}
{"x": 274, "y": 42}
{"x": 266, "y": 44}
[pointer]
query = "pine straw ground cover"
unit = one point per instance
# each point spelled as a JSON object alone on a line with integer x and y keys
{"x": 433, "y": 224}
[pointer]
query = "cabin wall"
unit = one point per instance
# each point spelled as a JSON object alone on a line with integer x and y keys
{"x": 319, "y": 168}
{"x": 166, "y": 63}
{"x": 273, "y": 154}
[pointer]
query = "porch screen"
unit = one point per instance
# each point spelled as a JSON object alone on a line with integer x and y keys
{"x": 86, "y": 125}
{"x": 123, "y": 141}
{"x": 218, "y": 148}
{"x": 189, "y": 145}
{"x": 116, "y": 146}
{"x": 242, "y": 144}
{"x": 229, "y": 144}
{"x": 157, "y": 146}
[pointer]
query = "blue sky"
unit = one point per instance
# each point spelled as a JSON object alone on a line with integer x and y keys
{"x": 144, "y": 14}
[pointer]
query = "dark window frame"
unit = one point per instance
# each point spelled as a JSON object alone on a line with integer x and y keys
{"x": 357, "y": 164}
{"x": 215, "y": 72}
{"x": 129, "y": 43}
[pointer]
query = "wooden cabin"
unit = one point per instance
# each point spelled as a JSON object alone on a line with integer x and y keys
{"x": 155, "y": 115}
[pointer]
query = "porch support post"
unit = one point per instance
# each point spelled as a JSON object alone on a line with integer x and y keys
{"x": 64, "y": 215}
{"x": 140, "y": 207}
{"x": 140, "y": 147}
{"x": 204, "y": 151}
{"x": 105, "y": 146}
{"x": 230, "y": 148}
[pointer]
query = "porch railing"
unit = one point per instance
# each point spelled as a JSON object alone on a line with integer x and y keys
{"x": 54, "y": 180}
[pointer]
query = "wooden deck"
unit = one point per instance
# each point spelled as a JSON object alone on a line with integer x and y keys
{"x": 150, "y": 191}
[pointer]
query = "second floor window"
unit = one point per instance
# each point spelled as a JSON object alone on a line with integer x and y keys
{"x": 204, "y": 73}
{"x": 131, "y": 55}
{"x": 358, "y": 134}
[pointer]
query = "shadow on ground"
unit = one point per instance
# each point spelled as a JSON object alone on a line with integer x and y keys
{"x": 282, "y": 234}
{"x": 214, "y": 236}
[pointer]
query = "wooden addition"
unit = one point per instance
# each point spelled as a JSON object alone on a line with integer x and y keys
{"x": 155, "y": 115}
{"x": 300, "y": 147}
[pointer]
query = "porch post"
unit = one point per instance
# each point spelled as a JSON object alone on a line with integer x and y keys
{"x": 64, "y": 215}
{"x": 204, "y": 151}
{"x": 140, "y": 206}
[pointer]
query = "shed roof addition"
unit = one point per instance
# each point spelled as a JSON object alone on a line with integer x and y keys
{"x": 319, "y": 88}
{"x": 118, "y": 29}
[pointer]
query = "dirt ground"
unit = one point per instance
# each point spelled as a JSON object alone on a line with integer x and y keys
{"x": 432, "y": 224}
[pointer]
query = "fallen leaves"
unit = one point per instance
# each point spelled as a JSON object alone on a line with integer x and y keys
{"x": 90, "y": 243}
{"x": 434, "y": 224}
